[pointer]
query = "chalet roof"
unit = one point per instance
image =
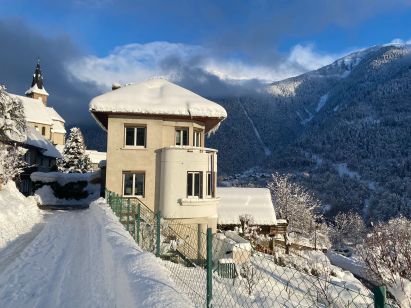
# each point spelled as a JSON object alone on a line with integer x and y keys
{"x": 236, "y": 201}
{"x": 157, "y": 97}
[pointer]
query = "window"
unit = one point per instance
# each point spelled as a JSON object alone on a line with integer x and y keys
{"x": 195, "y": 184}
{"x": 182, "y": 136}
{"x": 43, "y": 131}
{"x": 135, "y": 136}
{"x": 133, "y": 184}
{"x": 210, "y": 184}
{"x": 36, "y": 127}
{"x": 197, "y": 138}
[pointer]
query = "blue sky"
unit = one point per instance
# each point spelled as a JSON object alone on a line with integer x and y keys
{"x": 85, "y": 45}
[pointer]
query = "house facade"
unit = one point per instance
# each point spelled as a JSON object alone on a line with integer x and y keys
{"x": 156, "y": 148}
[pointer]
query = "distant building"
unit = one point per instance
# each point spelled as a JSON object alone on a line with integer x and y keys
{"x": 45, "y": 129}
{"x": 155, "y": 148}
{"x": 45, "y": 120}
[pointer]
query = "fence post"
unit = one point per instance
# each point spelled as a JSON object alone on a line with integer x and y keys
{"x": 158, "y": 220}
{"x": 138, "y": 219}
{"x": 128, "y": 214}
{"x": 380, "y": 296}
{"x": 209, "y": 267}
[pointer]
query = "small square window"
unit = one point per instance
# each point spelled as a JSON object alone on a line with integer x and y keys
{"x": 182, "y": 136}
{"x": 135, "y": 136}
{"x": 133, "y": 184}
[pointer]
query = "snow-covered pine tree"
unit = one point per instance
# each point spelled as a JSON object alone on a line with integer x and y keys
{"x": 11, "y": 162}
{"x": 12, "y": 120}
{"x": 75, "y": 159}
{"x": 12, "y": 130}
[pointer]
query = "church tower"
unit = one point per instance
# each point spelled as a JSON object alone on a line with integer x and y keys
{"x": 37, "y": 89}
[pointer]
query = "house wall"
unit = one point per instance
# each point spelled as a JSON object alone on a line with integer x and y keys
{"x": 41, "y": 96}
{"x": 160, "y": 133}
{"x": 58, "y": 138}
{"x": 40, "y": 127}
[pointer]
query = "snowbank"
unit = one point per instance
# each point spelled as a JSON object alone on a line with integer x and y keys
{"x": 18, "y": 214}
{"x": 149, "y": 281}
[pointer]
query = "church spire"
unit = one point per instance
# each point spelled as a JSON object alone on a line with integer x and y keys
{"x": 37, "y": 89}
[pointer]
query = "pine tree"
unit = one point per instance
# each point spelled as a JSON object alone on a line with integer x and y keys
{"x": 75, "y": 159}
{"x": 12, "y": 130}
{"x": 12, "y": 120}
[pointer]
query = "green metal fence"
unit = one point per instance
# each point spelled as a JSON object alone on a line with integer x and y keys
{"x": 225, "y": 271}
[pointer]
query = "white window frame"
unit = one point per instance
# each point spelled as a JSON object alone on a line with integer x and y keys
{"x": 209, "y": 181}
{"x": 197, "y": 138}
{"x": 135, "y": 127}
{"x": 200, "y": 190}
{"x": 179, "y": 130}
{"x": 134, "y": 173}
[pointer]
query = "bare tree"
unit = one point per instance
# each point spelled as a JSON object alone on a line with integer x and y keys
{"x": 251, "y": 276}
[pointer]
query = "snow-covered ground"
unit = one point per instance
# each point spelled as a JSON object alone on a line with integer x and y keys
{"x": 85, "y": 259}
{"x": 18, "y": 214}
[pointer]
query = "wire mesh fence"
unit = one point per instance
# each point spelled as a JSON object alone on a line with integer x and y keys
{"x": 225, "y": 270}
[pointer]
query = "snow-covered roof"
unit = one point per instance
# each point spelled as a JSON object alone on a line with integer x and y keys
{"x": 34, "y": 138}
{"x": 95, "y": 156}
{"x": 54, "y": 115}
{"x": 35, "y": 89}
{"x": 36, "y": 112}
{"x": 236, "y": 201}
{"x": 157, "y": 97}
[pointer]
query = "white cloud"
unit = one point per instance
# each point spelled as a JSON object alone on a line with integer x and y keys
{"x": 399, "y": 41}
{"x": 137, "y": 62}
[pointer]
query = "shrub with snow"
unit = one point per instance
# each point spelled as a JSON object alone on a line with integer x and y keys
{"x": 75, "y": 159}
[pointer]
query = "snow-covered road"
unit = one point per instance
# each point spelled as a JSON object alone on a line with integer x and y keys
{"x": 86, "y": 259}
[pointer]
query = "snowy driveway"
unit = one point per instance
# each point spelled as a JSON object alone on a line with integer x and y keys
{"x": 86, "y": 259}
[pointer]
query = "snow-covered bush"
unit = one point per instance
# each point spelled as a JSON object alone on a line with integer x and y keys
{"x": 57, "y": 188}
{"x": 387, "y": 254}
{"x": 11, "y": 162}
{"x": 75, "y": 159}
{"x": 348, "y": 230}
{"x": 12, "y": 120}
{"x": 293, "y": 203}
